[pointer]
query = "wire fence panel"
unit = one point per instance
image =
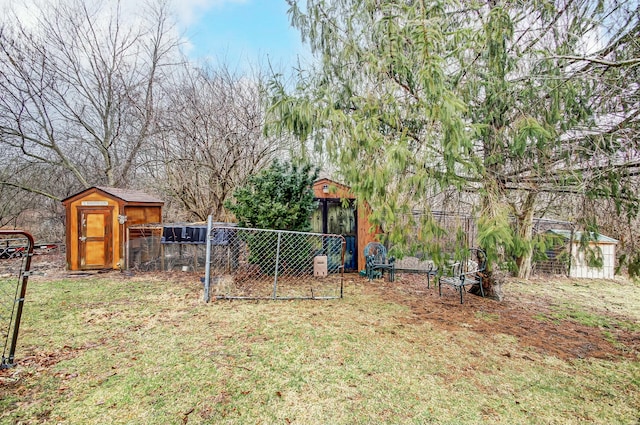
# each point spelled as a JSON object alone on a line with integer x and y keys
{"x": 458, "y": 232}
{"x": 16, "y": 250}
{"x": 149, "y": 249}
{"x": 273, "y": 264}
{"x": 551, "y": 254}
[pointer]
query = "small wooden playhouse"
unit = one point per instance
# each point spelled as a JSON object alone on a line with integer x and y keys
{"x": 339, "y": 213}
{"x": 96, "y": 225}
{"x": 580, "y": 267}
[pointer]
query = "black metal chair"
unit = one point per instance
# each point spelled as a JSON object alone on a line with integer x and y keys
{"x": 467, "y": 272}
{"x": 376, "y": 261}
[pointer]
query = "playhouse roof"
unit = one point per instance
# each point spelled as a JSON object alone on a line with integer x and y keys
{"x": 127, "y": 195}
{"x": 333, "y": 189}
{"x": 331, "y": 182}
{"x": 577, "y": 235}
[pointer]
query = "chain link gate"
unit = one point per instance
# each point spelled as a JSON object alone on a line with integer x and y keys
{"x": 16, "y": 250}
{"x": 246, "y": 263}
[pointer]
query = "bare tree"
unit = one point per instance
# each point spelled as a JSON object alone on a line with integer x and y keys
{"x": 212, "y": 138}
{"x": 13, "y": 201}
{"x": 79, "y": 92}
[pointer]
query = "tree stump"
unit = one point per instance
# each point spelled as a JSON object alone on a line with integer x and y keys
{"x": 491, "y": 284}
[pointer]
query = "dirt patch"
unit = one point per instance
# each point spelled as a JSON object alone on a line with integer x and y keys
{"x": 521, "y": 316}
{"x": 41, "y": 264}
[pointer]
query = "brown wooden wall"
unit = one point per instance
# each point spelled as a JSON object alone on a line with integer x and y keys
{"x": 140, "y": 214}
{"x": 365, "y": 233}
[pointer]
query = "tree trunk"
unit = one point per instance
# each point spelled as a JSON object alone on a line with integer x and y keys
{"x": 524, "y": 229}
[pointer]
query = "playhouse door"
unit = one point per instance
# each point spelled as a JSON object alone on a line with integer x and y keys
{"x": 94, "y": 238}
{"x": 341, "y": 220}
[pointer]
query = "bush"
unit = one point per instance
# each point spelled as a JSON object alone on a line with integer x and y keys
{"x": 280, "y": 198}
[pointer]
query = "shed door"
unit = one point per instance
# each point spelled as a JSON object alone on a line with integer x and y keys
{"x": 331, "y": 217}
{"x": 94, "y": 238}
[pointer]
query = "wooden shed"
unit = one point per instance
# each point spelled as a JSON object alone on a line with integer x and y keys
{"x": 580, "y": 268}
{"x": 96, "y": 225}
{"x": 350, "y": 221}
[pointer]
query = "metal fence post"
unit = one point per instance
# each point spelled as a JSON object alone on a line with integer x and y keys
{"x": 275, "y": 273}
{"x": 571, "y": 236}
{"x": 207, "y": 267}
{"x": 21, "y": 289}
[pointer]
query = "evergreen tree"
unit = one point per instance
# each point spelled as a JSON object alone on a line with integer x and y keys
{"x": 279, "y": 197}
{"x": 496, "y": 101}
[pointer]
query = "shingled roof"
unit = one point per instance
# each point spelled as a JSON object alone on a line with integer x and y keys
{"x": 126, "y": 195}
{"x": 577, "y": 236}
{"x": 129, "y": 195}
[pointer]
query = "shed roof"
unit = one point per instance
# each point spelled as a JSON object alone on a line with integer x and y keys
{"x": 340, "y": 190}
{"x": 127, "y": 195}
{"x": 130, "y": 195}
{"x": 577, "y": 236}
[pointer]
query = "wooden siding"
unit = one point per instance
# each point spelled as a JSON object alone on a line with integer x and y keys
{"x": 142, "y": 215}
{"x": 580, "y": 267}
{"x": 334, "y": 190}
{"x": 92, "y": 200}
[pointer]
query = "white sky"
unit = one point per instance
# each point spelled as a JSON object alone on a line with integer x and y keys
{"x": 241, "y": 33}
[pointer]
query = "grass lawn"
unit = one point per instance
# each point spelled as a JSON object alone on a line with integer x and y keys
{"x": 112, "y": 349}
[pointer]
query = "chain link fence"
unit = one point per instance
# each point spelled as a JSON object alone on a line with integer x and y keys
{"x": 183, "y": 247}
{"x": 273, "y": 264}
{"x": 16, "y": 250}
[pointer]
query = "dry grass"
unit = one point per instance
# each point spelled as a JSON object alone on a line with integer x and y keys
{"x": 147, "y": 350}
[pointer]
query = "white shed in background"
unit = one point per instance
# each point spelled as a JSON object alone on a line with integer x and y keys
{"x": 579, "y": 264}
